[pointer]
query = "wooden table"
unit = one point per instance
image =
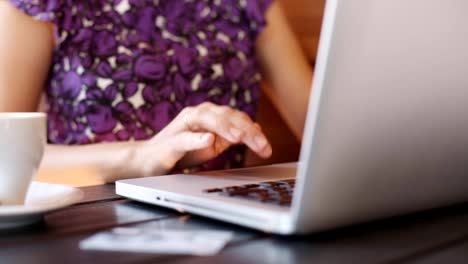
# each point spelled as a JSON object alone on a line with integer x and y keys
{"x": 438, "y": 236}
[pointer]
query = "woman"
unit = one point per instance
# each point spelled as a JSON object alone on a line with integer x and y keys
{"x": 161, "y": 85}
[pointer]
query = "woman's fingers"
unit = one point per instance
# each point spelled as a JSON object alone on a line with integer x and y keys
{"x": 202, "y": 118}
{"x": 189, "y": 141}
{"x": 167, "y": 149}
{"x": 247, "y": 131}
{"x": 232, "y": 125}
{"x": 253, "y": 136}
{"x": 199, "y": 156}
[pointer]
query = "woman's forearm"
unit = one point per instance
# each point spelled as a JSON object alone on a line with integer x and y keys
{"x": 110, "y": 160}
{"x": 285, "y": 67}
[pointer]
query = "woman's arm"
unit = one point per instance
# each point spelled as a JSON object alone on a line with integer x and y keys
{"x": 25, "y": 54}
{"x": 26, "y": 47}
{"x": 285, "y": 68}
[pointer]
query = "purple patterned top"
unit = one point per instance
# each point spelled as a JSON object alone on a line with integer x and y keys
{"x": 123, "y": 69}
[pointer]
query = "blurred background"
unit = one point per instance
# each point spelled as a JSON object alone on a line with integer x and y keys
{"x": 305, "y": 18}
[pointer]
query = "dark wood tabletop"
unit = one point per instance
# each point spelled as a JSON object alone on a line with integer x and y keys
{"x": 437, "y": 236}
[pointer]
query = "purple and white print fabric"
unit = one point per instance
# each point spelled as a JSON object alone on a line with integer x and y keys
{"x": 123, "y": 69}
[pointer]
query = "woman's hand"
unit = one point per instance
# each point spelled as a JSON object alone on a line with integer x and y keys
{"x": 196, "y": 135}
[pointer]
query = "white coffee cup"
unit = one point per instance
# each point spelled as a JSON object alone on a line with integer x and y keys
{"x": 22, "y": 144}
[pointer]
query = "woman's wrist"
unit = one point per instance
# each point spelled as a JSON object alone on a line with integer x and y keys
{"x": 150, "y": 158}
{"x": 142, "y": 159}
{"x": 129, "y": 160}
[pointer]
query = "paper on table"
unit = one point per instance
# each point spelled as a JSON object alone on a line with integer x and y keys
{"x": 202, "y": 243}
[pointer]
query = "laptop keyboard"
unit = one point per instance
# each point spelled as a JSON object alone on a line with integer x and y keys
{"x": 271, "y": 192}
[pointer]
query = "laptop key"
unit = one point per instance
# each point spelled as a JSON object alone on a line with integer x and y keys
{"x": 271, "y": 192}
{"x": 214, "y": 190}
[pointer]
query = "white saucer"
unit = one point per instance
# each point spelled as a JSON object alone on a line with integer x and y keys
{"x": 41, "y": 199}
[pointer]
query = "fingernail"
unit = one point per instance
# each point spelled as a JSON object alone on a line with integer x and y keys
{"x": 260, "y": 142}
{"x": 236, "y": 133}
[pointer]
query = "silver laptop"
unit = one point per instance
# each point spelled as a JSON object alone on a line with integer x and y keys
{"x": 386, "y": 131}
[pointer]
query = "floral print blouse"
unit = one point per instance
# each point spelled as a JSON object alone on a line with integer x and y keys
{"x": 123, "y": 69}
